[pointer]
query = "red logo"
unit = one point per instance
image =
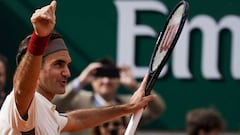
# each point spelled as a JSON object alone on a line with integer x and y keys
{"x": 168, "y": 38}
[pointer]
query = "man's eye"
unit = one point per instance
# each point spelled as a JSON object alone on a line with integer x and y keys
{"x": 58, "y": 64}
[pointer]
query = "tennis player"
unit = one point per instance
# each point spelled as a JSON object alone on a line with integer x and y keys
{"x": 42, "y": 73}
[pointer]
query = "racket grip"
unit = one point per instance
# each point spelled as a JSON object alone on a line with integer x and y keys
{"x": 133, "y": 123}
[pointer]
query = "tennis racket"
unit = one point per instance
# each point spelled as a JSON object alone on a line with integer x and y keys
{"x": 165, "y": 44}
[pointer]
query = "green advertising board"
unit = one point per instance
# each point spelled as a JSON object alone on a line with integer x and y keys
{"x": 204, "y": 70}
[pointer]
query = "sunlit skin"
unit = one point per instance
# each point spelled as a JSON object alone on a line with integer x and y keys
{"x": 54, "y": 74}
{"x": 106, "y": 87}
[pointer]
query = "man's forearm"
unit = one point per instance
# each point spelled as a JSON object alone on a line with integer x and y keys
{"x": 88, "y": 118}
{"x": 26, "y": 76}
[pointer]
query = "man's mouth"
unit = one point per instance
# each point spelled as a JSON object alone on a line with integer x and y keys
{"x": 63, "y": 83}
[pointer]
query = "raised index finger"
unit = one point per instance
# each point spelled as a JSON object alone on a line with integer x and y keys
{"x": 144, "y": 82}
{"x": 53, "y": 6}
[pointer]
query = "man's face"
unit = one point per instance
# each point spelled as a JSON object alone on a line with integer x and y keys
{"x": 114, "y": 127}
{"x": 2, "y": 75}
{"x": 106, "y": 86}
{"x": 54, "y": 73}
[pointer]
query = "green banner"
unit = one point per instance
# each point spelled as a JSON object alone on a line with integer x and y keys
{"x": 204, "y": 70}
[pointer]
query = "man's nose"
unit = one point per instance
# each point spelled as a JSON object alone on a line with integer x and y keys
{"x": 66, "y": 72}
{"x": 106, "y": 79}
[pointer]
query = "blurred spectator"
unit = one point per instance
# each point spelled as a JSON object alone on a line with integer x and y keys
{"x": 114, "y": 127}
{"x": 204, "y": 122}
{"x": 3, "y": 78}
{"x": 105, "y": 78}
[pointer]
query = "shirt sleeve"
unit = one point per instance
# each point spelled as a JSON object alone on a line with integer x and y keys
{"x": 62, "y": 120}
{"x": 17, "y": 121}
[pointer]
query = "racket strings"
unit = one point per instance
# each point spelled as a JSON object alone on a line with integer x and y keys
{"x": 168, "y": 38}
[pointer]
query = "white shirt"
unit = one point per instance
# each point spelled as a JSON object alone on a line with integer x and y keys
{"x": 43, "y": 119}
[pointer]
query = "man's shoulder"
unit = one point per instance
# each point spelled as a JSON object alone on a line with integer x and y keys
{"x": 84, "y": 94}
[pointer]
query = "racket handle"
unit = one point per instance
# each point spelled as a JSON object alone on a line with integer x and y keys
{"x": 133, "y": 123}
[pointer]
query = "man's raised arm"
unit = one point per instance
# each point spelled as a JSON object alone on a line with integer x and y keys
{"x": 27, "y": 73}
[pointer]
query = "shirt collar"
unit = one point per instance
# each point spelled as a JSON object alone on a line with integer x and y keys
{"x": 47, "y": 102}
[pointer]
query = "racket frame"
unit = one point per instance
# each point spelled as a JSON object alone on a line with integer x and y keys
{"x": 153, "y": 75}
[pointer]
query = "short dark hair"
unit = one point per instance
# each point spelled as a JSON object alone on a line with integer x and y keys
{"x": 96, "y": 130}
{"x": 22, "y": 49}
{"x": 205, "y": 119}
